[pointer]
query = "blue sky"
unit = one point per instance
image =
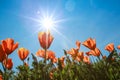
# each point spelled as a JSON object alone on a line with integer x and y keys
{"x": 81, "y": 19}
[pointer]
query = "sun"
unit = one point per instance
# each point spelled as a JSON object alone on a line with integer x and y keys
{"x": 46, "y": 20}
{"x": 47, "y": 23}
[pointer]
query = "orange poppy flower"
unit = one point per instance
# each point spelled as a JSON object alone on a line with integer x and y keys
{"x": 90, "y": 43}
{"x": 45, "y": 39}
{"x": 78, "y": 44}
{"x": 118, "y": 47}
{"x": 23, "y": 53}
{"x": 110, "y": 47}
{"x": 88, "y": 53}
{"x": 86, "y": 59}
{"x": 54, "y": 60}
{"x": 62, "y": 61}
{"x": 80, "y": 55}
{"x": 49, "y": 54}
{"x": 1, "y": 77}
{"x": 41, "y": 53}
{"x": 8, "y": 63}
{"x": 2, "y": 54}
{"x": 78, "y": 59}
{"x": 73, "y": 52}
{"x": 95, "y": 52}
{"x": 9, "y": 46}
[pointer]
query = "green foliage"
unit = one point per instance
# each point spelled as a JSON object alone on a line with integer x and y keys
{"x": 101, "y": 69}
{"x": 104, "y": 69}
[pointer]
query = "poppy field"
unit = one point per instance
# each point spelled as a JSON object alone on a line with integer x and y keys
{"x": 75, "y": 64}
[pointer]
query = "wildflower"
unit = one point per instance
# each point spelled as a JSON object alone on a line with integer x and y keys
{"x": 104, "y": 57}
{"x": 62, "y": 61}
{"x": 88, "y": 53}
{"x": 54, "y": 60}
{"x": 45, "y": 39}
{"x": 78, "y": 44}
{"x": 41, "y": 53}
{"x": 90, "y": 43}
{"x": 1, "y": 77}
{"x": 2, "y": 54}
{"x": 73, "y": 52}
{"x": 118, "y": 47}
{"x": 80, "y": 55}
{"x": 110, "y": 47}
{"x": 9, "y": 46}
{"x": 23, "y": 53}
{"x": 8, "y": 63}
{"x": 49, "y": 54}
{"x": 95, "y": 52}
{"x": 86, "y": 59}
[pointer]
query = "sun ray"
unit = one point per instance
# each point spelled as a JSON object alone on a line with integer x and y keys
{"x": 63, "y": 36}
{"x": 53, "y": 22}
{"x": 45, "y": 21}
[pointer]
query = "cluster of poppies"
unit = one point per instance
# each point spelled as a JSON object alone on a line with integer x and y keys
{"x": 93, "y": 50}
{"x": 45, "y": 40}
{"x": 7, "y": 46}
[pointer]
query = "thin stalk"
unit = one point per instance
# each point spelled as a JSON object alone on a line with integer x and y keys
{"x": 4, "y": 71}
{"x": 23, "y": 62}
{"x": 101, "y": 54}
{"x": 45, "y": 55}
{"x": 3, "y": 67}
{"x": 45, "y": 64}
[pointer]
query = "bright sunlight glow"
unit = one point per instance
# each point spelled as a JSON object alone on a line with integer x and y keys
{"x": 47, "y": 23}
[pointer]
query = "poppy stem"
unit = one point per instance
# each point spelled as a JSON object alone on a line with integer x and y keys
{"x": 45, "y": 55}
{"x": 23, "y": 62}
{"x": 45, "y": 63}
{"x": 4, "y": 70}
{"x": 3, "y": 67}
{"x": 101, "y": 54}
